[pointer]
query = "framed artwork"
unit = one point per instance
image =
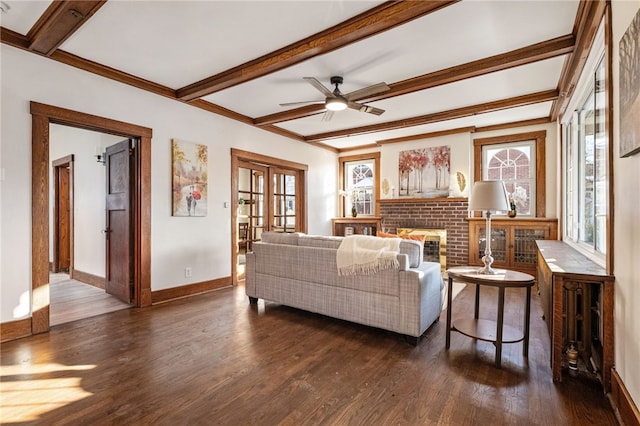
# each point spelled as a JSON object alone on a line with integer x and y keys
{"x": 424, "y": 173}
{"x": 630, "y": 89}
{"x": 189, "y": 178}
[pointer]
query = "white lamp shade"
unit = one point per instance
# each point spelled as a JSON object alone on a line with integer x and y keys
{"x": 489, "y": 195}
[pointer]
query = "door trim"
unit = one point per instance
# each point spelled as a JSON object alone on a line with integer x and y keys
{"x": 66, "y": 161}
{"x": 41, "y": 116}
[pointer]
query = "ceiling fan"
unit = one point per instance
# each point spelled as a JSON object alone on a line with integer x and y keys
{"x": 337, "y": 101}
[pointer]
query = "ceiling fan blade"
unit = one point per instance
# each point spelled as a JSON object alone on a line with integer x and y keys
{"x": 365, "y": 108}
{"x": 367, "y": 91}
{"x": 315, "y": 83}
{"x": 301, "y": 103}
{"x": 328, "y": 115}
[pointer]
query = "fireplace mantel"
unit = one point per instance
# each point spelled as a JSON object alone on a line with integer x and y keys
{"x": 421, "y": 200}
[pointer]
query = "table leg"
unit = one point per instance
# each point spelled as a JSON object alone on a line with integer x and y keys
{"x": 449, "y": 298}
{"x": 527, "y": 320}
{"x": 499, "y": 326}
{"x": 477, "y": 306}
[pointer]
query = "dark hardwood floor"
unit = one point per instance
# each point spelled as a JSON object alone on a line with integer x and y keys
{"x": 214, "y": 359}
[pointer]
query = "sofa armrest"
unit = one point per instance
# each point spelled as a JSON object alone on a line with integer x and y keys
{"x": 420, "y": 297}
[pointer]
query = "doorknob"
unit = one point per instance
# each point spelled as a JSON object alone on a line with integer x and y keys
{"x": 106, "y": 233}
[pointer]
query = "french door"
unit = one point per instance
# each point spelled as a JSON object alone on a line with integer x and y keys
{"x": 268, "y": 196}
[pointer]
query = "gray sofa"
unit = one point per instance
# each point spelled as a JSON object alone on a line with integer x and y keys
{"x": 300, "y": 271}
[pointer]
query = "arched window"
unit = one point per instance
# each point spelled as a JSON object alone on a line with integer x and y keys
{"x": 513, "y": 165}
{"x": 359, "y": 176}
{"x": 519, "y": 161}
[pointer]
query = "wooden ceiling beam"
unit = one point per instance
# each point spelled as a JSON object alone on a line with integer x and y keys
{"x": 61, "y": 19}
{"x": 112, "y": 73}
{"x": 12, "y": 38}
{"x": 588, "y": 18}
{"x": 376, "y": 20}
{"x": 529, "y": 99}
{"x": 439, "y": 133}
{"x": 536, "y": 52}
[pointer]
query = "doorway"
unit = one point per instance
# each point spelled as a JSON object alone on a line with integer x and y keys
{"x": 42, "y": 116}
{"x": 62, "y": 231}
{"x": 79, "y": 284}
{"x": 268, "y": 194}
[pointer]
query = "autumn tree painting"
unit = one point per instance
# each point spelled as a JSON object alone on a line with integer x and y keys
{"x": 424, "y": 173}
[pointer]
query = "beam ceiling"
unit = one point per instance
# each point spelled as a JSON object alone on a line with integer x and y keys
{"x": 381, "y": 18}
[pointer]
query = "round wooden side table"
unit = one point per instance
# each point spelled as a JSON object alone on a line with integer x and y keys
{"x": 488, "y": 330}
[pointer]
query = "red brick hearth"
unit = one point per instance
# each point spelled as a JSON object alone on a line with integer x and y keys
{"x": 432, "y": 213}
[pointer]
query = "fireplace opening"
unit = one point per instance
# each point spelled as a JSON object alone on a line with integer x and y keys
{"x": 435, "y": 244}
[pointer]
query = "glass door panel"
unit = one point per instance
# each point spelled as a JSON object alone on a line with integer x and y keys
{"x": 284, "y": 201}
{"x": 498, "y": 244}
{"x": 251, "y": 205}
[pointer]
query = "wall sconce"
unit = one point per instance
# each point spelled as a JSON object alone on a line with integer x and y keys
{"x": 101, "y": 157}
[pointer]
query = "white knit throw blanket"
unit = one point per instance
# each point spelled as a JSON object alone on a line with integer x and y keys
{"x": 364, "y": 254}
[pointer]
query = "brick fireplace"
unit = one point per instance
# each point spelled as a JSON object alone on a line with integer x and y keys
{"x": 431, "y": 213}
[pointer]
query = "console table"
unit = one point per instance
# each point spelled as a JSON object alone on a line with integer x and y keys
{"x": 487, "y": 330}
{"x": 360, "y": 225}
{"x": 577, "y": 301}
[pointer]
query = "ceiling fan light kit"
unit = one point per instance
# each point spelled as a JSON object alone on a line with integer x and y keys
{"x": 335, "y": 104}
{"x": 337, "y": 101}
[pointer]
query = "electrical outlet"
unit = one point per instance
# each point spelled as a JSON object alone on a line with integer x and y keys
{"x": 187, "y": 272}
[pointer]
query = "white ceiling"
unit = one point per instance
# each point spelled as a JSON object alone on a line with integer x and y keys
{"x": 177, "y": 43}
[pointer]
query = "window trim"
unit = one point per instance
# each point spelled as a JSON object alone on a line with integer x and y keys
{"x": 601, "y": 49}
{"x": 540, "y": 138}
{"x": 375, "y": 156}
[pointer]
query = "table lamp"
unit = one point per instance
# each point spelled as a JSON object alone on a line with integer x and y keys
{"x": 488, "y": 196}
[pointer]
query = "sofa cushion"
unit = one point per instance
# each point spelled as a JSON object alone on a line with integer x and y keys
{"x": 287, "y": 238}
{"x": 320, "y": 241}
{"x": 413, "y": 249}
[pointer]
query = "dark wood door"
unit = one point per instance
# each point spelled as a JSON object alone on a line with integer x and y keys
{"x": 119, "y": 245}
{"x": 62, "y": 214}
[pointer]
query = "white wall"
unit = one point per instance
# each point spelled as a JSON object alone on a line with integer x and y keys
{"x": 89, "y": 193}
{"x": 626, "y": 192}
{"x": 458, "y": 144}
{"x": 462, "y": 159}
{"x": 177, "y": 242}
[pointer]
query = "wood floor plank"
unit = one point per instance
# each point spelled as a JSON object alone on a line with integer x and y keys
{"x": 215, "y": 359}
{"x": 72, "y": 300}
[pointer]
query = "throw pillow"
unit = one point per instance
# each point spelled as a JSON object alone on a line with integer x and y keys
{"x": 405, "y": 237}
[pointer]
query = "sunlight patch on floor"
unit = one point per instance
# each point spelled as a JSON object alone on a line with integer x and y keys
{"x": 44, "y": 393}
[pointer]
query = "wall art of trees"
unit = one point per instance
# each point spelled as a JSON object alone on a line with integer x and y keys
{"x": 424, "y": 173}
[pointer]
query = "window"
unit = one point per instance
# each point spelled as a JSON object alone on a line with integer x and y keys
{"x": 515, "y": 165}
{"x": 359, "y": 176}
{"x": 518, "y": 160}
{"x": 586, "y": 157}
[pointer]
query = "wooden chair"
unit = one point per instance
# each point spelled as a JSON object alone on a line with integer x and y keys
{"x": 243, "y": 237}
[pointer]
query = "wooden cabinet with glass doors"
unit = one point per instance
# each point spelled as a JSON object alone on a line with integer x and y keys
{"x": 513, "y": 243}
